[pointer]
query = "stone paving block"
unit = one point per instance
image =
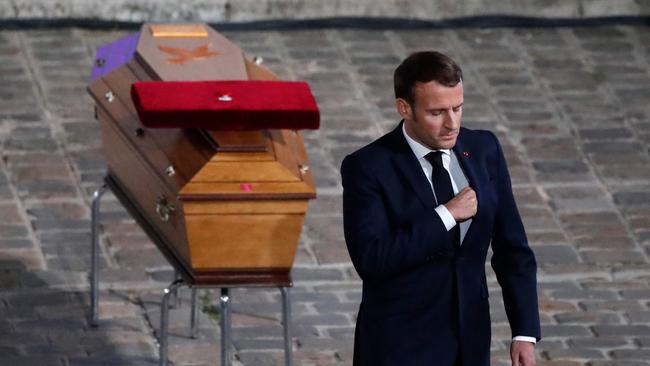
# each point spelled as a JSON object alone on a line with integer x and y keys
{"x": 115, "y": 361}
{"x": 562, "y": 171}
{"x": 631, "y": 354}
{"x": 135, "y": 349}
{"x": 613, "y": 330}
{"x": 643, "y": 342}
{"x": 588, "y": 318}
{"x": 304, "y": 274}
{"x": 580, "y": 354}
{"x": 44, "y": 360}
{"x": 583, "y": 294}
{"x": 22, "y": 339}
{"x": 636, "y": 317}
{"x": 13, "y": 231}
{"x": 615, "y": 174}
{"x": 198, "y": 353}
{"x": 608, "y": 256}
{"x": 619, "y": 363}
{"x": 329, "y": 319}
{"x": 555, "y": 331}
{"x": 640, "y": 294}
{"x": 262, "y": 358}
{"x": 600, "y": 342}
{"x": 580, "y": 199}
{"x": 552, "y": 254}
{"x": 605, "y": 242}
{"x": 612, "y": 305}
{"x": 10, "y": 213}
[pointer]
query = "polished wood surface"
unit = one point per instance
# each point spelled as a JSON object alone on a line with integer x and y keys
{"x": 186, "y": 150}
{"x": 145, "y": 189}
{"x": 211, "y": 58}
{"x": 241, "y": 141}
{"x": 140, "y": 138}
{"x": 252, "y": 207}
{"x": 243, "y": 240}
{"x": 242, "y": 156}
{"x": 258, "y": 72}
{"x": 244, "y": 171}
{"x": 241, "y": 277}
{"x": 243, "y": 191}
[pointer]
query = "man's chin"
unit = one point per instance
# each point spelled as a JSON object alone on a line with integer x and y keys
{"x": 447, "y": 144}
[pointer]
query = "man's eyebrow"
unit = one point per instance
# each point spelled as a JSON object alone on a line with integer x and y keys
{"x": 442, "y": 109}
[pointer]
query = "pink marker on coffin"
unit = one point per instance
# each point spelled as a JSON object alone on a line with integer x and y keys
{"x": 246, "y": 187}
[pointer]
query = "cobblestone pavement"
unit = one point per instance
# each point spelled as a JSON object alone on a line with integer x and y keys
{"x": 570, "y": 105}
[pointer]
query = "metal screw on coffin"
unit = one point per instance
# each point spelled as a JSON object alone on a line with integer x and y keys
{"x": 100, "y": 62}
{"x": 258, "y": 60}
{"x": 225, "y": 98}
{"x": 170, "y": 171}
{"x": 303, "y": 168}
{"x": 110, "y": 96}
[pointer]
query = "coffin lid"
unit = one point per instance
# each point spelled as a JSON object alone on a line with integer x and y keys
{"x": 188, "y": 52}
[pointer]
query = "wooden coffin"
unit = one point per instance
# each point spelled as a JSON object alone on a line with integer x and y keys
{"x": 224, "y": 207}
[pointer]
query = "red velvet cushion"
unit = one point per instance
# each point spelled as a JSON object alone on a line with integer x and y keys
{"x": 226, "y": 105}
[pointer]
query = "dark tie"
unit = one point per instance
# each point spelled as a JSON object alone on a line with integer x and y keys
{"x": 442, "y": 187}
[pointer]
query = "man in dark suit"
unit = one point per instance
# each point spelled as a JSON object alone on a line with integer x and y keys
{"x": 421, "y": 205}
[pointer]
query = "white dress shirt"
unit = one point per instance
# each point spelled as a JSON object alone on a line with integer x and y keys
{"x": 447, "y": 218}
{"x": 420, "y": 152}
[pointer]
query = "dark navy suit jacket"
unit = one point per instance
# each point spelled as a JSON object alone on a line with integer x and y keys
{"x": 425, "y": 300}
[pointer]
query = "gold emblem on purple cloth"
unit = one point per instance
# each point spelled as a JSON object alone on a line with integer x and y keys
{"x": 181, "y": 55}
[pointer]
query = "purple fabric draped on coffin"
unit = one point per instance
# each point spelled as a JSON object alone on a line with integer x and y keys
{"x": 114, "y": 55}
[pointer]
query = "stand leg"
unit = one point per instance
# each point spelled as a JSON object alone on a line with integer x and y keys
{"x": 176, "y": 301}
{"x": 94, "y": 253}
{"x": 286, "y": 322}
{"x": 224, "y": 302}
{"x": 195, "y": 307}
{"x": 164, "y": 320}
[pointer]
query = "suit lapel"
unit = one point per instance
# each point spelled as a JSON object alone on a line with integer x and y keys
{"x": 407, "y": 164}
{"x": 461, "y": 182}
{"x": 464, "y": 155}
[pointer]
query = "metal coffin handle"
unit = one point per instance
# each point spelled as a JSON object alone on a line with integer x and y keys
{"x": 164, "y": 208}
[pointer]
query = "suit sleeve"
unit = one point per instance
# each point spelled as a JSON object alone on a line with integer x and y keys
{"x": 379, "y": 248}
{"x": 513, "y": 260}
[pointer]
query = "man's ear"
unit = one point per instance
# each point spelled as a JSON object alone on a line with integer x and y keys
{"x": 403, "y": 108}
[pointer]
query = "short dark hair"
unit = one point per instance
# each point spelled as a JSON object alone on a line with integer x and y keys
{"x": 423, "y": 67}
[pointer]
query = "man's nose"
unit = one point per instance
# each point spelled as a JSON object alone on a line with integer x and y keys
{"x": 451, "y": 120}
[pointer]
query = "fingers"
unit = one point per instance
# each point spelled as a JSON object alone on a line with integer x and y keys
{"x": 514, "y": 357}
{"x": 515, "y": 353}
{"x": 521, "y": 355}
{"x": 467, "y": 191}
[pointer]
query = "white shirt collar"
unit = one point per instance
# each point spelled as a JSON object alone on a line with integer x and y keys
{"x": 420, "y": 150}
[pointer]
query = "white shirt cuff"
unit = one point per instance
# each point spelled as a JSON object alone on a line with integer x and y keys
{"x": 446, "y": 217}
{"x": 525, "y": 339}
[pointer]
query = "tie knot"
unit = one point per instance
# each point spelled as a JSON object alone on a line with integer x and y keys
{"x": 435, "y": 158}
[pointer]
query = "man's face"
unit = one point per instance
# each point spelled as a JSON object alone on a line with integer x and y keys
{"x": 434, "y": 119}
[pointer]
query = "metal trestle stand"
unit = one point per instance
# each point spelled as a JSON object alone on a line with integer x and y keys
{"x": 171, "y": 299}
